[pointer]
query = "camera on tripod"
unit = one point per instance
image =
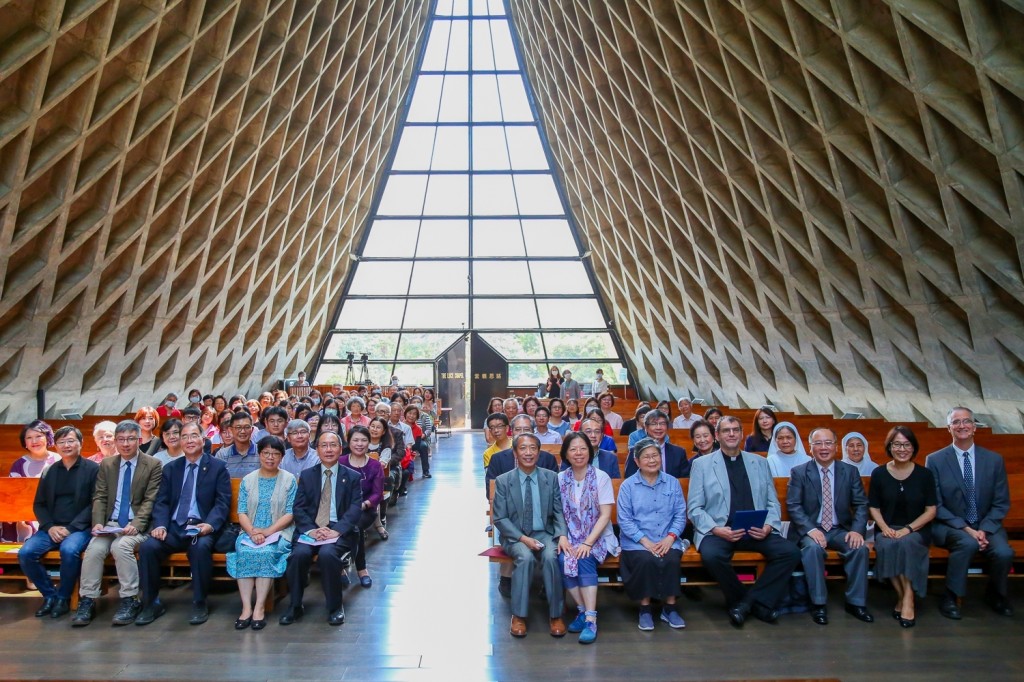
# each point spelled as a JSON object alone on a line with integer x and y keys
{"x": 364, "y": 369}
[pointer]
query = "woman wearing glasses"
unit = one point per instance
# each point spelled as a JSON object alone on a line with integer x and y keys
{"x": 902, "y": 503}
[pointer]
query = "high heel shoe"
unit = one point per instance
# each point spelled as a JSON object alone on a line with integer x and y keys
{"x": 243, "y": 623}
{"x": 907, "y": 622}
{"x": 383, "y": 533}
{"x": 896, "y": 613}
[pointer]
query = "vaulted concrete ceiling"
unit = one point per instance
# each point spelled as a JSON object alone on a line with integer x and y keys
{"x": 814, "y": 203}
{"x": 179, "y": 187}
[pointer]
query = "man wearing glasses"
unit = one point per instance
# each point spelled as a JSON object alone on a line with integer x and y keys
{"x": 722, "y": 484}
{"x": 240, "y": 457}
{"x": 974, "y": 498}
{"x": 126, "y": 489}
{"x": 673, "y": 458}
{"x": 63, "y": 507}
{"x": 190, "y": 510}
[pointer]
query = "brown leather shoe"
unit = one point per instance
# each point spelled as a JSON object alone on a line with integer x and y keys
{"x": 518, "y": 628}
{"x": 557, "y": 627}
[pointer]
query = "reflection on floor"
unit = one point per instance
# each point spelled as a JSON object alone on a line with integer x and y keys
{"x": 432, "y": 613}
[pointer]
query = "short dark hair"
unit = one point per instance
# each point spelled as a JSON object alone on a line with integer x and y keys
{"x": 170, "y": 424}
{"x": 727, "y": 419}
{"x": 192, "y": 412}
{"x": 358, "y": 429}
{"x": 40, "y": 426}
{"x": 541, "y": 408}
{"x": 500, "y": 416}
{"x": 906, "y": 433}
{"x": 699, "y": 423}
{"x": 569, "y": 438}
{"x": 65, "y": 430}
{"x": 242, "y": 414}
{"x": 272, "y": 442}
{"x": 273, "y": 411}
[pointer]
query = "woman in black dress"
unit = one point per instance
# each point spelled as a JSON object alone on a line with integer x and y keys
{"x": 902, "y": 503}
{"x": 554, "y": 385}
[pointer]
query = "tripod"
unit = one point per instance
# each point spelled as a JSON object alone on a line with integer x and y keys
{"x": 364, "y": 370}
{"x": 350, "y": 375}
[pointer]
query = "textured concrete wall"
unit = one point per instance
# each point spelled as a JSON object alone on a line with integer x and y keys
{"x": 815, "y": 203}
{"x": 179, "y": 186}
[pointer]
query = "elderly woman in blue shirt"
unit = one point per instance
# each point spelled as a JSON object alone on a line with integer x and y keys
{"x": 652, "y": 516}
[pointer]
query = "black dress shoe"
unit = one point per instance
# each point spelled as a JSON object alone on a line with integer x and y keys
{"x": 150, "y": 613}
{"x": 819, "y": 614}
{"x": 738, "y": 614}
{"x": 200, "y": 614}
{"x": 259, "y": 624}
{"x": 896, "y": 613}
{"x": 60, "y": 608}
{"x": 765, "y": 614}
{"x": 337, "y": 617}
{"x": 997, "y": 602}
{"x": 948, "y": 608}
{"x": 293, "y": 614}
{"x": 860, "y": 613}
{"x": 243, "y": 623}
{"x": 46, "y": 608}
{"x": 907, "y": 622}
{"x": 505, "y": 587}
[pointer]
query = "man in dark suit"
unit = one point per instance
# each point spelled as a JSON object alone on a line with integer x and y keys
{"x": 191, "y": 509}
{"x": 829, "y": 510}
{"x": 974, "y": 498}
{"x": 605, "y": 460}
{"x": 673, "y": 458}
{"x": 528, "y": 516}
{"x": 327, "y": 507}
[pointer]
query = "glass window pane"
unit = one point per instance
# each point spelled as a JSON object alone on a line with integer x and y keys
{"x": 440, "y": 277}
{"x": 460, "y": 8}
{"x": 479, "y": 7}
{"x": 569, "y": 313}
{"x": 549, "y": 238}
{"x": 572, "y": 345}
{"x": 496, "y": 7}
{"x": 437, "y": 46}
{"x": 415, "y": 148}
{"x": 377, "y": 345}
{"x": 497, "y": 238}
{"x": 490, "y": 151}
{"x": 454, "y": 99}
{"x": 483, "y": 58}
{"x": 486, "y": 105}
{"x": 525, "y": 147}
{"x": 424, "y": 346}
{"x": 516, "y": 345}
{"x": 418, "y": 374}
{"x": 494, "y": 195}
{"x": 451, "y": 150}
{"x": 537, "y": 195}
{"x": 444, "y": 8}
{"x": 403, "y": 195}
{"x": 376, "y": 278}
{"x": 426, "y": 99}
{"x": 585, "y": 372}
{"x": 437, "y": 313}
{"x": 504, "y": 313}
{"x": 514, "y": 105}
{"x": 560, "y": 277}
{"x": 447, "y": 195}
{"x": 458, "y": 49}
{"x": 504, "y": 54}
{"x": 381, "y": 313}
{"x": 391, "y": 238}
{"x": 501, "y": 277}
{"x": 523, "y": 374}
{"x": 443, "y": 238}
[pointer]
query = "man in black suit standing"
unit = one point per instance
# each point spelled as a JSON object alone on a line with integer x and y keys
{"x": 190, "y": 510}
{"x": 829, "y": 510}
{"x": 327, "y": 507}
{"x": 673, "y": 458}
{"x": 974, "y": 498}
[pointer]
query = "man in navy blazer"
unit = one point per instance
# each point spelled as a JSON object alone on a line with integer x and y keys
{"x": 605, "y": 460}
{"x": 195, "y": 490}
{"x": 327, "y": 507}
{"x": 974, "y": 498}
{"x": 505, "y": 460}
{"x": 673, "y": 458}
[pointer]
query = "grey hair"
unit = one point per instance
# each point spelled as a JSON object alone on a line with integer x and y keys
{"x": 506, "y": 401}
{"x": 297, "y": 425}
{"x": 107, "y": 425}
{"x": 128, "y": 425}
{"x": 512, "y": 422}
{"x": 643, "y": 444}
{"x": 517, "y": 439}
{"x": 356, "y": 399}
{"x": 949, "y": 415}
{"x": 654, "y": 414}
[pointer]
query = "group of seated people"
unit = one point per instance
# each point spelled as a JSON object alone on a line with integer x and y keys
{"x": 556, "y": 515}
{"x": 312, "y": 484}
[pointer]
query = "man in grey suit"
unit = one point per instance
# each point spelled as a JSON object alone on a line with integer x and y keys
{"x": 528, "y": 517}
{"x": 974, "y": 498}
{"x": 829, "y": 509}
{"x": 721, "y": 484}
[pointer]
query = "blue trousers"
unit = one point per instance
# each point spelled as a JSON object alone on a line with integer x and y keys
{"x": 71, "y": 549}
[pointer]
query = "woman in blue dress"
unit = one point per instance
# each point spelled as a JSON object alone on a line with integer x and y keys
{"x": 265, "y": 499}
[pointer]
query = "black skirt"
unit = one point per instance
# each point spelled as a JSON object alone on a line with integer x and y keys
{"x": 645, "y": 575}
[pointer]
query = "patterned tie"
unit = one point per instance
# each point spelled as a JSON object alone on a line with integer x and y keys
{"x": 826, "y": 502}
{"x": 126, "y": 496}
{"x": 972, "y": 497}
{"x": 185, "y": 501}
{"x": 528, "y": 503}
{"x": 323, "y": 512}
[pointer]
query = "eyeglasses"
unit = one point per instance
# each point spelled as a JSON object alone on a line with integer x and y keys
{"x": 67, "y": 442}
{"x": 592, "y": 432}
{"x": 188, "y": 438}
{"x": 270, "y": 453}
{"x": 126, "y": 441}
{"x": 649, "y": 455}
{"x": 902, "y": 446}
{"x": 822, "y": 443}
{"x": 660, "y": 422}
{"x": 734, "y": 429}
{"x": 243, "y": 427}
{"x": 962, "y": 422}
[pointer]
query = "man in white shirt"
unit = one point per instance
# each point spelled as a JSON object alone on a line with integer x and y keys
{"x": 686, "y": 418}
{"x": 546, "y": 435}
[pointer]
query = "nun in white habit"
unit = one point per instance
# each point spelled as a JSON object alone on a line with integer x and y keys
{"x": 785, "y": 450}
{"x": 855, "y": 452}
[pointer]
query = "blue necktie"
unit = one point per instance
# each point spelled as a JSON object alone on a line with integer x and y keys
{"x": 126, "y": 496}
{"x": 972, "y": 497}
{"x": 185, "y": 502}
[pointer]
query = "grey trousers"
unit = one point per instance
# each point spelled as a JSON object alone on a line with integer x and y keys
{"x": 525, "y": 561}
{"x": 855, "y": 562}
{"x": 122, "y": 548}
{"x": 962, "y": 548}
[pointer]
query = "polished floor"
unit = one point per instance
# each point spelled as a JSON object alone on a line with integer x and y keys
{"x": 432, "y": 613}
